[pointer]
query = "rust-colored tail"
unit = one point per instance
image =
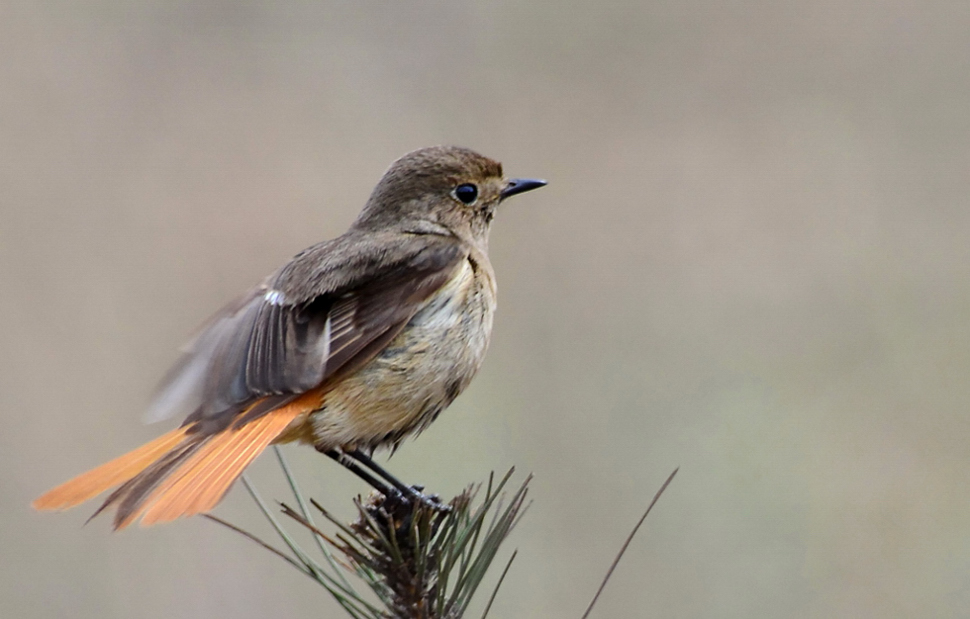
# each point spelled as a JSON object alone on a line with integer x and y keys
{"x": 178, "y": 474}
{"x": 89, "y": 485}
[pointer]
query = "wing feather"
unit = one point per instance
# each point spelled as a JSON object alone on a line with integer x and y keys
{"x": 333, "y": 307}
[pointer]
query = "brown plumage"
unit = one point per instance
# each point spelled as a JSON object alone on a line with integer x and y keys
{"x": 354, "y": 344}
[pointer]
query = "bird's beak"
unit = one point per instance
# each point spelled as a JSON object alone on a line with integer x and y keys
{"x": 519, "y": 185}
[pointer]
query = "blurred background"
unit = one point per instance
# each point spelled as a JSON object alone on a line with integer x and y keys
{"x": 752, "y": 261}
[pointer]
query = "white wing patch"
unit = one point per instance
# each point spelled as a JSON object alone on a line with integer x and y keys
{"x": 274, "y": 297}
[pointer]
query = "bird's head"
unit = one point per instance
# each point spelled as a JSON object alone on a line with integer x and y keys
{"x": 441, "y": 186}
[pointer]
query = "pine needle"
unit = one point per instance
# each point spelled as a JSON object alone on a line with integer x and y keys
{"x": 616, "y": 561}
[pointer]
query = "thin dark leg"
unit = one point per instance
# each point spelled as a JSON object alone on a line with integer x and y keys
{"x": 345, "y": 461}
{"x": 367, "y": 461}
{"x": 412, "y": 493}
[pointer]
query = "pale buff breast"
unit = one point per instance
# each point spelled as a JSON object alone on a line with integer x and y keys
{"x": 419, "y": 373}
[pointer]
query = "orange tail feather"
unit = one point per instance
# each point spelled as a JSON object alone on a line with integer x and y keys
{"x": 199, "y": 484}
{"x": 89, "y": 485}
{"x": 181, "y": 473}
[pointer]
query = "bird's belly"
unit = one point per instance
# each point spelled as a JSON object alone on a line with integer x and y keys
{"x": 417, "y": 375}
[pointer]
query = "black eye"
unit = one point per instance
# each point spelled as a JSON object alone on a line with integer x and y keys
{"x": 467, "y": 193}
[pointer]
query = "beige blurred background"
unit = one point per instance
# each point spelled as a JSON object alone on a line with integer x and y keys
{"x": 752, "y": 261}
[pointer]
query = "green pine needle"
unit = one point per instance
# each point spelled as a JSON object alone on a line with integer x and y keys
{"x": 421, "y": 561}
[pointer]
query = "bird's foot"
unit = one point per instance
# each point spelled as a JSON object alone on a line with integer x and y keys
{"x": 412, "y": 498}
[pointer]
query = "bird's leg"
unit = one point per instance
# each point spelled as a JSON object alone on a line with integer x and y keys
{"x": 347, "y": 462}
{"x": 411, "y": 492}
{"x": 360, "y": 456}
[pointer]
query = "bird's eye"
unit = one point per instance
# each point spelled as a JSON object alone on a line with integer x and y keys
{"x": 466, "y": 193}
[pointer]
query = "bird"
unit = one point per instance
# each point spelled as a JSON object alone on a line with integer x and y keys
{"x": 353, "y": 345}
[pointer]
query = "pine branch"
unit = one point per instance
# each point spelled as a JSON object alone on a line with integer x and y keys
{"x": 420, "y": 560}
{"x": 404, "y": 559}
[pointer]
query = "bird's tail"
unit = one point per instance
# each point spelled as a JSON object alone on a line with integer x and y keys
{"x": 181, "y": 473}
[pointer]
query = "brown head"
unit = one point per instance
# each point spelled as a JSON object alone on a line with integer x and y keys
{"x": 444, "y": 186}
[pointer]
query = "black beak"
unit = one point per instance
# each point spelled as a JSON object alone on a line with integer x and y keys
{"x": 519, "y": 185}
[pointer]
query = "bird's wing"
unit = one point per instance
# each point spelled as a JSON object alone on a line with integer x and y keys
{"x": 328, "y": 311}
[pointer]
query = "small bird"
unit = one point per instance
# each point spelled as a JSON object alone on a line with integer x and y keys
{"x": 353, "y": 345}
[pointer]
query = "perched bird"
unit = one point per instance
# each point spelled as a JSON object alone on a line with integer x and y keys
{"x": 354, "y": 344}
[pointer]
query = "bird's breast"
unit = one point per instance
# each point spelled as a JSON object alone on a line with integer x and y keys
{"x": 420, "y": 372}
